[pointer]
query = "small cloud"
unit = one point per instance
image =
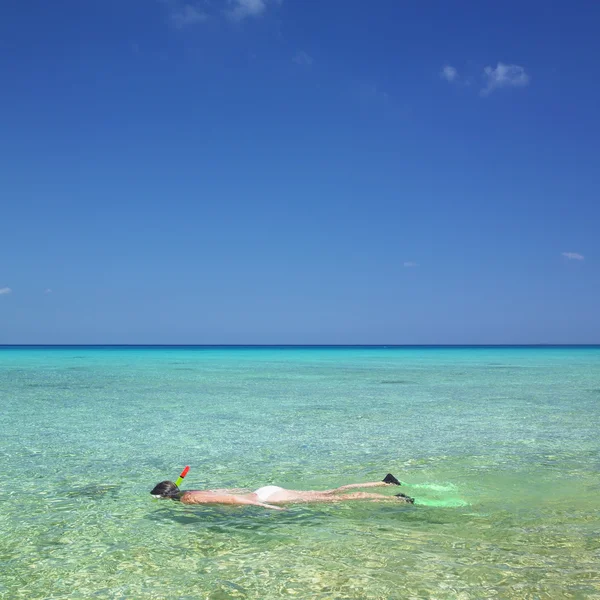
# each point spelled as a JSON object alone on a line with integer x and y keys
{"x": 246, "y": 8}
{"x": 4, "y": 291}
{"x": 184, "y": 15}
{"x": 449, "y": 73}
{"x": 409, "y": 264}
{"x": 573, "y": 256}
{"x": 504, "y": 76}
{"x": 47, "y": 291}
{"x": 303, "y": 59}
{"x": 369, "y": 92}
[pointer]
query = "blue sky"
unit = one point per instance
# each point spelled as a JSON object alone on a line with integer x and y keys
{"x": 287, "y": 171}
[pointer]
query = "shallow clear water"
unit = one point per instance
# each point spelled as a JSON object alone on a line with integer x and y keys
{"x": 500, "y": 447}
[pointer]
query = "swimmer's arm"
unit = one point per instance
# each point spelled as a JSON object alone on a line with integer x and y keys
{"x": 212, "y": 498}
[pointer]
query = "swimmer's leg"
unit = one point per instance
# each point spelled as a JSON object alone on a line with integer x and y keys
{"x": 381, "y": 497}
{"x": 389, "y": 479}
{"x": 354, "y": 486}
{"x": 326, "y": 497}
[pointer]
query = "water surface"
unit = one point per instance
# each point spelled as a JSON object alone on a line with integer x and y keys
{"x": 500, "y": 447}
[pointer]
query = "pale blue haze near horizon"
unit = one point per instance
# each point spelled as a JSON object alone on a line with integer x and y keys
{"x": 299, "y": 172}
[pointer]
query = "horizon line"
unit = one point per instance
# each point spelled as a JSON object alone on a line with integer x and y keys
{"x": 96, "y": 345}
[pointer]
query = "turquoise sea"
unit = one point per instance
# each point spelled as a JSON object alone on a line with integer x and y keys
{"x": 499, "y": 446}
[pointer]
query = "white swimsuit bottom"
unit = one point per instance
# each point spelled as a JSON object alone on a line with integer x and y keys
{"x": 264, "y": 493}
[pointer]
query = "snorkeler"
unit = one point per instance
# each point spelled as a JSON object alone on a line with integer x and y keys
{"x": 271, "y": 494}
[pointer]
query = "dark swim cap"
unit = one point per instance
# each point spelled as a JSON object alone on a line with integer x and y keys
{"x": 165, "y": 489}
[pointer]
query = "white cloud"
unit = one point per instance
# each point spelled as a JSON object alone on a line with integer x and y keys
{"x": 409, "y": 264}
{"x": 449, "y": 73}
{"x": 184, "y": 15}
{"x": 573, "y": 255}
{"x": 369, "y": 92}
{"x": 246, "y": 8}
{"x": 4, "y": 291}
{"x": 303, "y": 59}
{"x": 504, "y": 76}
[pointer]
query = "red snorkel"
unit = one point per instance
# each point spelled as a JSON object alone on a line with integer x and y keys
{"x": 181, "y": 477}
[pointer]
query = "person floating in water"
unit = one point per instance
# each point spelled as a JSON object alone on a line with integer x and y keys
{"x": 271, "y": 495}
